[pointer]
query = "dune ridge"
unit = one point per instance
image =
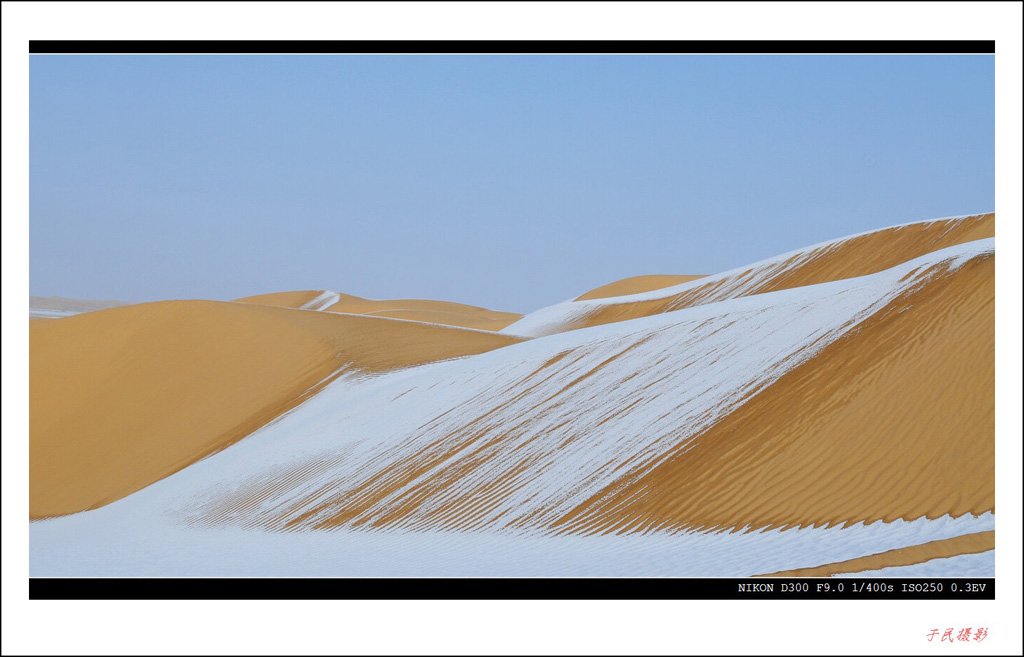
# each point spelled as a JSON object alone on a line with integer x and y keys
{"x": 294, "y": 299}
{"x": 447, "y": 313}
{"x": 635, "y": 285}
{"x": 847, "y": 257}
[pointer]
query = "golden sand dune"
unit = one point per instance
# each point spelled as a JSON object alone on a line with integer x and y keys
{"x": 421, "y": 310}
{"x": 124, "y": 397}
{"x": 634, "y": 285}
{"x": 892, "y": 421}
{"x": 941, "y": 549}
{"x": 855, "y": 256}
{"x": 462, "y": 320}
{"x": 443, "y": 312}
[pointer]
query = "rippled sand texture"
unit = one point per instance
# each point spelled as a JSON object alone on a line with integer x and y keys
{"x": 879, "y": 425}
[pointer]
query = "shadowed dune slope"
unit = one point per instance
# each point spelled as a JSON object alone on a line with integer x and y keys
{"x": 421, "y": 310}
{"x": 123, "y": 397}
{"x": 908, "y": 556}
{"x": 849, "y": 257}
{"x": 894, "y": 420}
{"x": 634, "y": 285}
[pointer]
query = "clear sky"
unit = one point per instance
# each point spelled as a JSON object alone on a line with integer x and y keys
{"x": 511, "y": 182}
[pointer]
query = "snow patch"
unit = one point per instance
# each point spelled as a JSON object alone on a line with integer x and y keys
{"x": 325, "y": 300}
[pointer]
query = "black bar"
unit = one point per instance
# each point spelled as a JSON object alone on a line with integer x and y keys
{"x": 511, "y": 47}
{"x": 774, "y": 588}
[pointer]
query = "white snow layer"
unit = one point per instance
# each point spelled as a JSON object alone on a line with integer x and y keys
{"x": 133, "y": 543}
{"x": 50, "y": 313}
{"x": 504, "y": 443}
{"x": 325, "y": 300}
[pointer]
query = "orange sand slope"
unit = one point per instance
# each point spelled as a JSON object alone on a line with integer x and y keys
{"x": 422, "y": 310}
{"x": 635, "y": 285}
{"x": 121, "y": 398}
{"x": 893, "y": 421}
{"x": 845, "y": 258}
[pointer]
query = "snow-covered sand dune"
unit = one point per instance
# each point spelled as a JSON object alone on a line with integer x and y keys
{"x": 534, "y": 458}
{"x": 846, "y": 257}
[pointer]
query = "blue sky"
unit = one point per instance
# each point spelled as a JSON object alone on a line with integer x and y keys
{"x": 511, "y": 182}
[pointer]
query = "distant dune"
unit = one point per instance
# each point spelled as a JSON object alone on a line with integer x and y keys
{"x": 825, "y": 412}
{"x": 122, "y": 398}
{"x": 421, "y": 310}
{"x": 296, "y": 299}
{"x": 635, "y": 285}
{"x": 57, "y": 307}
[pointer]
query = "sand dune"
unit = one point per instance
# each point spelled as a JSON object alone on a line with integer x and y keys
{"x": 498, "y": 441}
{"x": 122, "y": 398}
{"x": 879, "y": 425}
{"x": 445, "y": 312}
{"x": 828, "y": 411}
{"x": 635, "y": 285}
{"x": 847, "y": 257}
{"x": 296, "y": 299}
{"x": 421, "y": 310}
